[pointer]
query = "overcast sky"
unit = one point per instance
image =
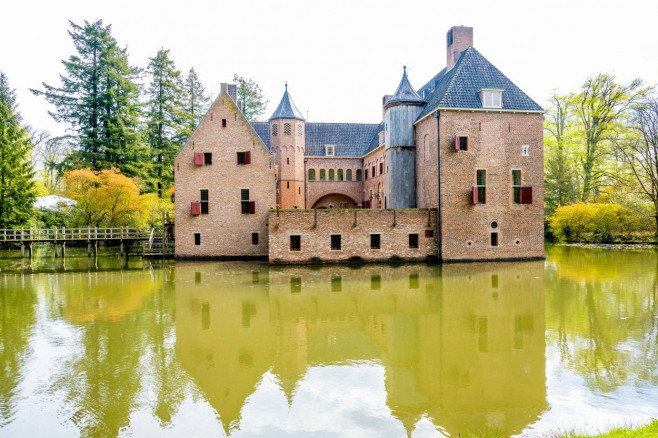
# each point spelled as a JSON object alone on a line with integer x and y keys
{"x": 339, "y": 57}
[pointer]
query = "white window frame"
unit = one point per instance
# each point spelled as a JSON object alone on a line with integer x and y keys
{"x": 330, "y": 150}
{"x": 492, "y": 98}
{"x": 525, "y": 150}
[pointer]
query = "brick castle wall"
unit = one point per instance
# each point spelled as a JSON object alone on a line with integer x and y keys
{"x": 495, "y": 143}
{"x": 318, "y": 189}
{"x": 225, "y": 231}
{"x": 355, "y": 240}
{"x": 377, "y": 183}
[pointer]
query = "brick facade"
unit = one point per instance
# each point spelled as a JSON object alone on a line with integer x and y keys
{"x": 374, "y": 187}
{"x": 225, "y": 231}
{"x": 320, "y": 191}
{"x": 315, "y": 228}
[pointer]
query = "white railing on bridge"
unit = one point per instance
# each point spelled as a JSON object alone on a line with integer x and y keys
{"x": 73, "y": 234}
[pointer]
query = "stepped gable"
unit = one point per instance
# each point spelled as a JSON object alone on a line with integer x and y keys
{"x": 460, "y": 87}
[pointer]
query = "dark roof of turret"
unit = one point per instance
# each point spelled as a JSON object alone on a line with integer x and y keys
{"x": 460, "y": 87}
{"x": 405, "y": 92}
{"x": 286, "y": 108}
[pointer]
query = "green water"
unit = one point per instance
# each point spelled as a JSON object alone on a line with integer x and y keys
{"x": 109, "y": 348}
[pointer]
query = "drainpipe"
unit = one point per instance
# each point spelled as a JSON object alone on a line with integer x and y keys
{"x": 437, "y": 115}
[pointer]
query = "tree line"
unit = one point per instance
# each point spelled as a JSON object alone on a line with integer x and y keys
{"x": 601, "y": 161}
{"x": 118, "y": 117}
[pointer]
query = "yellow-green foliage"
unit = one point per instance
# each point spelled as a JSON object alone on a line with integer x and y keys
{"x": 650, "y": 430}
{"x": 595, "y": 222}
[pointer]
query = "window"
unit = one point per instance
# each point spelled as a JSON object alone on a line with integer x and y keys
{"x": 322, "y": 175}
{"x": 413, "y": 240}
{"x": 429, "y": 233}
{"x": 286, "y": 129}
{"x": 275, "y": 130}
{"x": 254, "y": 238}
{"x": 244, "y": 157}
{"x": 197, "y": 239}
{"x": 525, "y": 150}
{"x": 349, "y": 174}
{"x": 461, "y": 143}
{"x": 204, "y": 201}
{"x": 287, "y": 160}
{"x": 295, "y": 243}
{"x": 335, "y": 242}
{"x": 339, "y": 174}
{"x": 311, "y": 174}
{"x": 358, "y": 174}
{"x": 223, "y": 123}
{"x": 494, "y": 239}
{"x": 381, "y": 168}
{"x": 480, "y": 190}
{"x": 375, "y": 241}
{"x": 300, "y": 130}
{"x": 373, "y": 171}
{"x": 248, "y": 207}
{"x": 287, "y": 184}
{"x": 207, "y": 158}
{"x": 366, "y": 173}
{"x": 329, "y": 150}
{"x": 492, "y": 98}
{"x": 331, "y": 174}
{"x": 516, "y": 186}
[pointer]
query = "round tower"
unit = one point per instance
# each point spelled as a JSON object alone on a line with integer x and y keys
{"x": 288, "y": 142}
{"x": 400, "y": 113}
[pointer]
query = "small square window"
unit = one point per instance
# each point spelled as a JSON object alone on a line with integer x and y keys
{"x": 462, "y": 143}
{"x": 207, "y": 158}
{"x": 223, "y": 123}
{"x": 254, "y": 238}
{"x": 336, "y": 242}
{"x": 197, "y": 239}
{"x": 429, "y": 233}
{"x": 295, "y": 243}
{"x": 244, "y": 157}
{"x": 492, "y": 98}
{"x": 329, "y": 150}
{"x": 375, "y": 241}
{"x": 413, "y": 240}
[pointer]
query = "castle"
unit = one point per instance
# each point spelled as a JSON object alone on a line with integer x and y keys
{"x": 454, "y": 172}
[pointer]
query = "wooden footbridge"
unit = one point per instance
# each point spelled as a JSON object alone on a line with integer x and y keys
{"x": 154, "y": 242}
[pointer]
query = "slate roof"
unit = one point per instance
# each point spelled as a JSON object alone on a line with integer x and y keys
{"x": 286, "y": 109}
{"x": 263, "y": 131}
{"x": 351, "y": 139}
{"x": 460, "y": 87}
{"x": 405, "y": 92}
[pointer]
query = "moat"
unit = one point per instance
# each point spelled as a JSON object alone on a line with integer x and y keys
{"x": 109, "y": 348}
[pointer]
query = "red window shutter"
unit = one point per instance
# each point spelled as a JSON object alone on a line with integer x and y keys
{"x": 367, "y": 204}
{"x": 198, "y": 158}
{"x": 429, "y": 233}
{"x": 247, "y": 157}
{"x": 526, "y": 195}
{"x": 475, "y": 195}
{"x": 252, "y": 207}
{"x": 456, "y": 142}
{"x": 195, "y": 208}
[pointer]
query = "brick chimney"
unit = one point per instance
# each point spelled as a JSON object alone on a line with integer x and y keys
{"x": 458, "y": 39}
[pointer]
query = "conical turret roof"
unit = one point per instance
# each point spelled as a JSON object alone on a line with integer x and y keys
{"x": 287, "y": 109}
{"x": 405, "y": 92}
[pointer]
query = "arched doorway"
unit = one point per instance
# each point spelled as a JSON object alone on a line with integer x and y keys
{"x": 335, "y": 200}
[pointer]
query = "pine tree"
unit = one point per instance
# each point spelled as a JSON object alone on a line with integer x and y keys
{"x": 251, "y": 96}
{"x": 166, "y": 119}
{"x": 196, "y": 100}
{"x": 98, "y": 99}
{"x": 17, "y": 191}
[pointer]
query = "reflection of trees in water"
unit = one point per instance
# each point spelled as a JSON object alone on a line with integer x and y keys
{"x": 602, "y": 314}
{"x": 17, "y": 318}
{"x": 126, "y": 356}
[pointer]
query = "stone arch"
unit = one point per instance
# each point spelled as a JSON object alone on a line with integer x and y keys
{"x": 323, "y": 199}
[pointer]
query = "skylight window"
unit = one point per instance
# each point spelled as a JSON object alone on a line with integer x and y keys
{"x": 492, "y": 98}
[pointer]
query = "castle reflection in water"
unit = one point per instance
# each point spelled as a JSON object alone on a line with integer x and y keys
{"x": 460, "y": 345}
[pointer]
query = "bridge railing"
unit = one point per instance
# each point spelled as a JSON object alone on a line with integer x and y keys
{"x": 73, "y": 234}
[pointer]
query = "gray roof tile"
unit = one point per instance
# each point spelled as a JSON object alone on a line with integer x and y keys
{"x": 263, "y": 131}
{"x": 460, "y": 87}
{"x": 351, "y": 139}
{"x": 405, "y": 92}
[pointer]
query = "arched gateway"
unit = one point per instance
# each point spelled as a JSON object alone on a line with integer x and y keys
{"x": 335, "y": 200}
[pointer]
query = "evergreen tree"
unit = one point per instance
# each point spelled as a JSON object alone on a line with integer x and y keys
{"x": 166, "y": 119}
{"x": 98, "y": 99}
{"x": 251, "y": 96}
{"x": 17, "y": 191}
{"x": 196, "y": 100}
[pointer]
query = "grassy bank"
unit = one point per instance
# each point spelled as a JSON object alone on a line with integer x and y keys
{"x": 650, "y": 430}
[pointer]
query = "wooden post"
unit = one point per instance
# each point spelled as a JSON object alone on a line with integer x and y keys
{"x": 29, "y": 246}
{"x": 164, "y": 236}
{"x": 89, "y": 248}
{"x": 55, "y": 240}
{"x": 63, "y": 249}
{"x": 95, "y": 249}
{"x": 22, "y": 250}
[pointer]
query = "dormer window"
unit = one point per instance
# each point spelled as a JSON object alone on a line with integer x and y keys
{"x": 329, "y": 150}
{"x": 491, "y": 98}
